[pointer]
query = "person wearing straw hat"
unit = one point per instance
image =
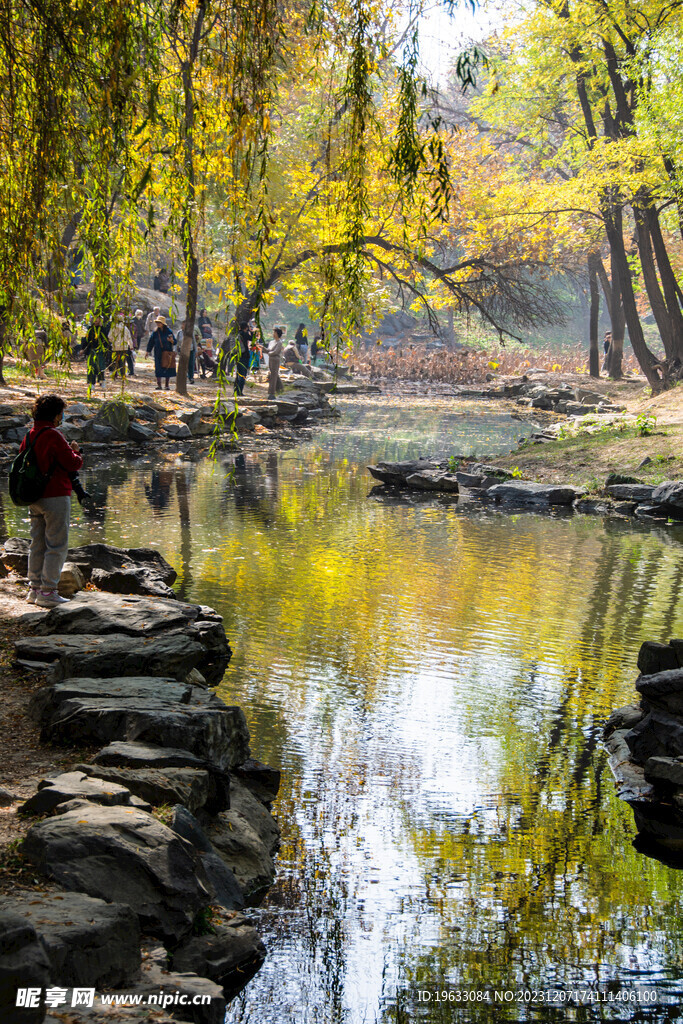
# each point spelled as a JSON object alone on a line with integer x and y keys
{"x": 162, "y": 342}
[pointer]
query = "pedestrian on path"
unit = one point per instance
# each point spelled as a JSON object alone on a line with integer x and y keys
{"x": 162, "y": 342}
{"x": 51, "y": 515}
{"x": 274, "y": 357}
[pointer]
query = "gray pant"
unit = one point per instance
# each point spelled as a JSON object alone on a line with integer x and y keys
{"x": 274, "y": 382}
{"x": 49, "y": 541}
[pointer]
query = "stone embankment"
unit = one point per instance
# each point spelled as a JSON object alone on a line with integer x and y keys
{"x": 620, "y": 496}
{"x": 158, "y": 837}
{"x": 151, "y": 424}
{"x": 645, "y": 745}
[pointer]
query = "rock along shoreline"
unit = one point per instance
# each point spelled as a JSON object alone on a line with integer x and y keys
{"x": 152, "y": 845}
{"x": 622, "y": 496}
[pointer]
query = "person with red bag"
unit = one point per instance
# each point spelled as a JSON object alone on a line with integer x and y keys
{"x": 51, "y": 514}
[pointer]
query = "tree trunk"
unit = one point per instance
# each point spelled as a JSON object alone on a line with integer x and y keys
{"x": 191, "y": 261}
{"x": 654, "y": 294}
{"x": 612, "y": 215}
{"x": 594, "y": 351}
{"x": 670, "y": 287}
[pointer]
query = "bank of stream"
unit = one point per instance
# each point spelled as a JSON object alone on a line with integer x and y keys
{"x": 431, "y": 677}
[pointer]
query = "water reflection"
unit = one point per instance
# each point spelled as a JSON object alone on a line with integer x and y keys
{"x": 431, "y": 678}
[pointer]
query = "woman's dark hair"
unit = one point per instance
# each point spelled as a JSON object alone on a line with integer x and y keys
{"x": 47, "y": 407}
{"x": 278, "y": 331}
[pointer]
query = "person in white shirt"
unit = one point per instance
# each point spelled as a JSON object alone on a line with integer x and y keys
{"x": 150, "y": 322}
{"x": 121, "y": 342}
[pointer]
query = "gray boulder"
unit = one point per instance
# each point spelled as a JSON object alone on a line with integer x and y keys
{"x": 24, "y": 963}
{"x": 663, "y": 689}
{"x": 191, "y": 787}
{"x": 179, "y": 431}
{"x": 664, "y": 769}
{"x": 230, "y": 957}
{"x": 261, "y": 780}
{"x": 112, "y": 655}
{"x": 116, "y": 416}
{"x": 655, "y": 657}
{"x": 253, "y": 811}
{"x": 670, "y": 493}
{"x": 396, "y": 473}
{"x": 15, "y": 555}
{"x": 219, "y": 878}
{"x": 245, "y": 839}
{"x": 99, "y": 433}
{"x": 76, "y": 410}
{"x": 241, "y": 848}
{"x": 526, "y": 492}
{"x": 88, "y": 942}
{"x": 630, "y": 492}
{"x": 105, "y": 556}
{"x": 191, "y": 417}
{"x": 484, "y": 469}
{"x": 210, "y": 1005}
{"x": 433, "y": 480}
{"x": 623, "y": 719}
{"x": 218, "y": 734}
{"x": 45, "y": 700}
{"x": 149, "y": 413}
{"x": 136, "y": 756}
{"x": 131, "y": 581}
{"x": 6, "y": 798}
{"x": 473, "y": 481}
{"x": 73, "y": 786}
{"x": 96, "y": 614}
{"x": 92, "y": 614}
{"x": 139, "y": 433}
{"x": 123, "y": 855}
{"x": 658, "y": 734}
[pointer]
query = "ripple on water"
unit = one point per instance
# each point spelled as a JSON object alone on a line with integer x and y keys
{"x": 431, "y": 679}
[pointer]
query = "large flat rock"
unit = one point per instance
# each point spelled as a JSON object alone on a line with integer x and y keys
{"x": 74, "y": 785}
{"x": 524, "y": 492}
{"x": 218, "y": 734}
{"x": 191, "y": 787}
{"x": 396, "y": 473}
{"x": 124, "y": 687}
{"x": 107, "y": 557}
{"x": 88, "y": 942}
{"x": 125, "y": 856}
{"x": 134, "y": 756}
{"x": 174, "y": 654}
{"x": 630, "y": 492}
{"x": 433, "y": 480}
{"x": 95, "y": 614}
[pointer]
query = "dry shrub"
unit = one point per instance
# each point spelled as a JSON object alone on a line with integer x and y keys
{"x": 467, "y": 366}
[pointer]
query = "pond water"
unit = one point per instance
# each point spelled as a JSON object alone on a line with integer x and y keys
{"x": 431, "y": 677}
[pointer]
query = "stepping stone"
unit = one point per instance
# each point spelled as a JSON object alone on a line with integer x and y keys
{"x": 191, "y": 787}
{"x": 88, "y": 942}
{"x": 113, "y": 655}
{"x": 138, "y": 756}
{"x": 527, "y": 492}
{"x": 96, "y": 614}
{"x": 218, "y": 734}
{"x": 73, "y": 786}
{"x": 433, "y": 480}
{"x": 125, "y": 856}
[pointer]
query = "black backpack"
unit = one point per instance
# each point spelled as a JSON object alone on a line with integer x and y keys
{"x": 26, "y": 482}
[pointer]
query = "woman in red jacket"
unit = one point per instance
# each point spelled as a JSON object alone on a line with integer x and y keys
{"x": 51, "y": 515}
